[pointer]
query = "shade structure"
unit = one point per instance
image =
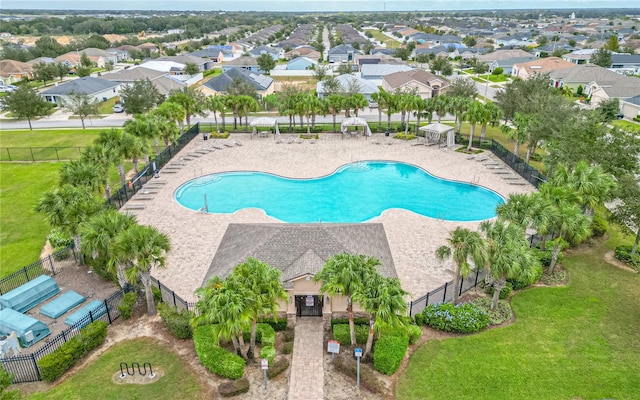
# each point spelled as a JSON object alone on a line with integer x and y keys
{"x": 30, "y": 294}
{"x": 264, "y": 122}
{"x": 433, "y": 133}
{"x": 355, "y": 121}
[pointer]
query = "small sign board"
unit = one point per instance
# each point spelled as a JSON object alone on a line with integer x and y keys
{"x": 309, "y": 301}
{"x": 357, "y": 352}
{"x": 333, "y": 346}
{"x": 265, "y": 363}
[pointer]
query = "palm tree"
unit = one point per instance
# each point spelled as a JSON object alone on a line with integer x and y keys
{"x": 141, "y": 248}
{"x": 81, "y": 173}
{"x": 167, "y": 131}
{"x": 104, "y": 155}
{"x": 233, "y": 104}
{"x": 133, "y": 147}
{"x": 145, "y": 127}
{"x": 246, "y": 104}
{"x": 173, "y": 112}
{"x": 216, "y": 104}
{"x": 335, "y": 104}
{"x": 379, "y": 98}
{"x": 592, "y": 185}
{"x": 442, "y": 105}
{"x": 264, "y": 286}
{"x": 345, "y": 274}
{"x": 384, "y": 300}
{"x": 412, "y": 103}
{"x": 389, "y": 104}
{"x": 192, "y": 101}
{"x": 429, "y": 108}
{"x": 98, "y": 236}
{"x": 491, "y": 114}
{"x": 529, "y": 211}
{"x": 464, "y": 246}
{"x": 114, "y": 150}
{"x": 508, "y": 255}
{"x": 521, "y": 131}
{"x": 458, "y": 106}
{"x": 474, "y": 115}
{"x": 68, "y": 207}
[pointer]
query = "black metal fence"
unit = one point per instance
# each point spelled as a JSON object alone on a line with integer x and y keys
{"x": 444, "y": 293}
{"x": 50, "y": 265}
{"x": 24, "y": 368}
{"x": 170, "y": 297}
{"x": 523, "y": 169}
{"x": 124, "y": 194}
{"x": 33, "y": 154}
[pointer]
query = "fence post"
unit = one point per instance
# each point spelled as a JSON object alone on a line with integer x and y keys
{"x": 426, "y": 303}
{"x": 174, "y": 298}
{"x": 53, "y": 270}
{"x": 91, "y": 316}
{"x": 108, "y": 313}
{"x": 64, "y": 337}
{"x": 26, "y": 273}
{"x": 461, "y": 286}
{"x": 444, "y": 296}
{"x": 35, "y": 365}
{"x": 32, "y": 157}
{"x": 477, "y": 273}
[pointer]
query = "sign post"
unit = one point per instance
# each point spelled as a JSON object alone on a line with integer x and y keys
{"x": 265, "y": 367}
{"x": 358, "y": 353}
{"x": 333, "y": 347}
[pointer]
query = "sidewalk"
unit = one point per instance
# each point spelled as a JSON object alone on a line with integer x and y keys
{"x": 307, "y": 366}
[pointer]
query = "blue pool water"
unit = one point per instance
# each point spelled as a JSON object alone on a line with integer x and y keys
{"x": 355, "y": 192}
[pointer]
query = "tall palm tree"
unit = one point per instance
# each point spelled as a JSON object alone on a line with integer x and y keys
{"x": 529, "y": 211}
{"x": 520, "y": 133}
{"x": 345, "y": 274}
{"x": 430, "y": 106}
{"x": 167, "y": 131}
{"x": 384, "y": 299}
{"x": 264, "y": 286}
{"x": 442, "y": 105}
{"x": 174, "y": 112}
{"x": 144, "y": 126}
{"x": 142, "y": 248}
{"x": 192, "y": 101}
{"x": 335, "y": 104}
{"x": 98, "y": 236}
{"x": 81, "y": 173}
{"x": 103, "y": 154}
{"x": 133, "y": 147}
{"x": 389, "y": 104}
{"x": 592, "y": 185}
{"x": 474, "y": 115}
{"x": 379, "y": 98}
{"x": 508, "y": 255}
{"x": 233, "y": 104}
{"x": 459, "y": 106}
{"x": 490, "y": 115}
{"x": 216, "y": 104}
{"x": 412, "y": 103}
{"x": 114, "y": 140}
{"x": 246, "y": 104}
{"x": 68, "y": 207}
{"x": 464, "y": 246}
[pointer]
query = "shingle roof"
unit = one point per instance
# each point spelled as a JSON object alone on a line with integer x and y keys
{"x": 244, "y": 61}
{"x": 633, "y": 100}
{"x": 503, "y": 55}
{"x": 344, "y": 49}
{"x": 87, "y": 85}
{"x": 299, "y": 249}
{"x": 382, "y": 69}
{"x": 133, "y": 74}
{"x": 543, "y": 65}
{"x": 222, "y": 81}
{"x": 366, "y": 86}
{"x": 583, "y": 73}
{"x": 402, "y": 78}
{"x": 8, "y": 67}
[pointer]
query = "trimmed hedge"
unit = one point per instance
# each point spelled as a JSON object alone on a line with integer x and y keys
{"x": 389, "y": 351}
{"x": 268, "y": 352}
{"x": 368, "y": 380}
{"x": 278, "y": 367}
{"x": 504, "y": 292}
{"x": 278, "y": 325}
{"x": 213, "y": 357}
{"x": 126, "y": 304}
{"x": 177, "y": 321}
{"x": 53, "y": 365}
{"x": 289, "y": 335}
{"x": 264, "y": 334}
{"x": 414, "y": 332}
{"x": 234, "y": 388}
{"x": 341, "y": 333}
{"x": 462, "y": 318}
{"x": 287, "y": 347}
{"x": 356, "y": 321}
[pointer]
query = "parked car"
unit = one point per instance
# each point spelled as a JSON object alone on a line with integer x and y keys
{"x": 373, "y": 104}
{"x": 118, "y": 108}
{"x": 7, "y": 88}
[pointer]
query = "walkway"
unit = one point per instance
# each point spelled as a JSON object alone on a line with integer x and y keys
{"x": 307, "y": 367}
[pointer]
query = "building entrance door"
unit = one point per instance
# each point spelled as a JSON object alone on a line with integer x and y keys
{"x": 309, "y": 306}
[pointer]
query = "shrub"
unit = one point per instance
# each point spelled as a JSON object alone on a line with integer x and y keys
{"x": 61, "y": 253}
{"x": 521, "y": 284}
{"x": 462, "y": 318}
{"x": 157, "y": 295}
{"x": 341, "y": 333}
{"x": 214, "y": 358}
{"x": 545, "y": 256}
{"x": 402, "y": 136}
{"x": 219, "y": 135}
{"x": 419, "y": 318}
{"x": 287, "y": 348}
{"x": 289, "y": 335}
{"x": 501, "y": 314}
{"x": 389, "y": 351}
{"x": 278, "y": 325}
{"x": 58, "y": 239}
{"x": 599, "y": 225}
{"x": 264, "y": 334}
{"x": 414, "y": 332}
{"x": 53, "y": 365}
{"x": 623, "y": 253}
{"x": 268, "y": 352}
{"x": 368, "y": 380}
{"x": 504, "y": 292}
{"x": 356, "y": 321}
{"x": 177, "y": 321}
{"x": 234, "y": 388}
{"x": 126, "y": 304}
{"x": 280, "y": 365}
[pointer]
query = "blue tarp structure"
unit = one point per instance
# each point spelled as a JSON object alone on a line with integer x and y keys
{"x": 29, "y": 295}
{"x": 62, "y": 304}
{"x": 97, "y": 309}
{"x": 28, "y": 329}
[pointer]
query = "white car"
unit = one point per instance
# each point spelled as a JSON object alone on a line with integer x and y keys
{"x": 373, "y": 104}
{"x": 7, "y": 88}
{"x": 118, "y": 108}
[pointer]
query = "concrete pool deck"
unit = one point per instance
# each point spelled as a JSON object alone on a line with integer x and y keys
{"x": 413, "y": 238}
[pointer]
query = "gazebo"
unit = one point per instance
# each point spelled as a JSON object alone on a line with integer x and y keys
{"x": 354, "y": 121}
{"x": 433, "y": 134}
{"x": 265, "y": 122}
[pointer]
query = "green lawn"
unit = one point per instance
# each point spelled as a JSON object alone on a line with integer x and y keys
{"x": 381, "y": 37}
{"x": 575, "y": 342}
{"x": 627, "y": 126}
{"x": 95, "y": 380}
{"x": 49, "y": 137}
{"x": 106, "y": 107}
{"x": 23, "y": 230}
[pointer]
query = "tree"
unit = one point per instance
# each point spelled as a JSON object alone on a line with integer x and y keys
{"x": 6, "y": 379}
{"x": 172, "y": 112}
{"x": 529, "y": 211}
{"x": 508, "y": 255}
{"x": 627, "y": 210}
{"x": 82, "y": 105}
{"x": 68, "y": 207}
{"x": 98, "y": 236}
{"x": 458, "y": 106}
{"x": 491, "y": 115}
{"x": 601, "y": 57}
{"x": 81, "y": 173}
{"x": 62, "y": 70}
{"x": 469, "y": 41}
{"x": 609, "y": 109}
{"x": 140, "y": 97}
{"x": 480, "y": 68}
{"x": 384, "y": 299}
{"x": 81, "y": 71}
{"x": 474, "y": 114}
{"x": 85, "y": 61}
{"x": 142, "y": 248}
{"x": 334, "y": 104}
{"x": 44, "y": 72}
{"x": 264, "y": 285}
{"x": 440, "y": 64}
{"x": 246, "y": 104}
{"x": 191, "y": 69}
{"x": 346, "y": 274}
{"x": 266, "y": 62}
{"x": 25, "y": 103}
{"x": 590, "y": 183}
{"x": 462, "y": 88}
{"x": 193, "y": 101}
{"x": 321, "y": 72}
{"x": 442, "y": 105}
{"x": 103, "y": 154}
{"x": 612, "y": 43}
{"x": 464, "y": 246}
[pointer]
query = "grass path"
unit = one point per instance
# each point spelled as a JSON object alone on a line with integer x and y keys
{"x": 580, "y": 341}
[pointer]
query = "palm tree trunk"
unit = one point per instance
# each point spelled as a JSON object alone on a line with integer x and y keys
{"x": 379, "y": 117}
{"x": 123, "y": 179}
{"x": 516, "y": 147}
{"x": 122, "y": 280}
{"x": 456, "y": 286}
{"x": 406, "y": 126}
{"x": 236, "y": 346}
{"x": 155, "y": 144}
{"x": 82, "y": 120}
{"x": 146, "y": 282}
{"x": 389, "y": 119}
{"x": 334, "y": 122}
{"x": 352, "y": 328}
{"x": 135, "y": 162}
{"x": 483, "y": 130}
{"x": 528, "y": 155}
{"x": 554, "y": 258}
{"x": 215, "y": 118}
{"x": 634, "y": 249}
{"x": 252, "y": 343}
{"x": 77, "y": 249}
{"x": 189, "y": 121}
{"x": 241, "y": 343}
{"x": 224, "y": 122}
{"x": 29, "y": 120}
{"x": 498, "y": 285}
{"x": 308, "y": 125}
{"x": 472, "y": 132}
{"x": 369, "y": 344}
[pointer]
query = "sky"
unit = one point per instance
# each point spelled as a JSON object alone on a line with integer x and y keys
{"x": 313, "y": 5}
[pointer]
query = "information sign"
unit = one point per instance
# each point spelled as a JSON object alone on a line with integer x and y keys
{"x": 333, "y": 346}
{"x": 265, "y": 363}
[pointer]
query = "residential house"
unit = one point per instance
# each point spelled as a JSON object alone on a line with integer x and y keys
{"x": 70, "y": 59}
{"x": 630, "y": 107}
{"x": 539, "y": 66}
{"x": 619, "y": 87}
{"x": 303, "y": 51}
{"x": 375, "y": 72}
{"x": 625, "y": 61}
{"x": 173, "y": 69}
{"x": 274, "y": 52}
{"x": 499, "y": 55}
{"x": 13, "y": 71}
{"x": 164, "y": 82}
{"x": 507, "y": 64}
{"x": 343, "y": 53}
{"x": 351, "y": 82}
{"x": 218, "y": 85}
{"x": 43, "y": 60}
{"x": 300, "y": 251}
{"x": 245, "y": 62}
{"x": 96, "y": 88}
{"x": 301, "y": 64}
{"x": 150, "y": 46}
{"x": 203, "y": 64}
{"x": 214, "y": 55}
{"x": 438, "y": 51}
{"x": 518, "y": 39}
{"x": 425, "y": 84}
{"x": 468, "y": 53}
{"x": 378, "y": 58}
{"x": 580, "y": 75}
{"x": 121, "y": 55}
{"x": 384, "y": 51}
{"x": 579, "y": 57}
{"x": 99, "y": 57}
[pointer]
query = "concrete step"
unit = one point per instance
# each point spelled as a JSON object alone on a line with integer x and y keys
{"x": 193, "y": 154}
{"x": 170, "y": 171}
{"x": 143, "y": 197}
{"x": 135, "y": 206}
{"x": 520, "y": 183}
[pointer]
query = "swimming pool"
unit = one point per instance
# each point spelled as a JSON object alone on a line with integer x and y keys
{"x": 355, "y": 192}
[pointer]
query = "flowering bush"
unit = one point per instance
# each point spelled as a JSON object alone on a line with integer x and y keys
{"x": 462, "y": 318}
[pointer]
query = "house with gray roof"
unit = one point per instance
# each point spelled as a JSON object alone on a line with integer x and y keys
{"x": 245, "y": 62}
{"x": 377, "y": 71}
{"x": 164, "y": 82}
{"x": 620, "y": 87}
{"x": 630, "y": 61}
{"x": 349, "y": 81}
{"x": 218, "y": 85}
{"x": 630, "y": 107}
{"x": 275, "y": 52}
{"x": 580, "y": 75}
{"x": 96, "y": 88}
{"x": 300, "y": 251}
{"x": 343, "y": 53}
